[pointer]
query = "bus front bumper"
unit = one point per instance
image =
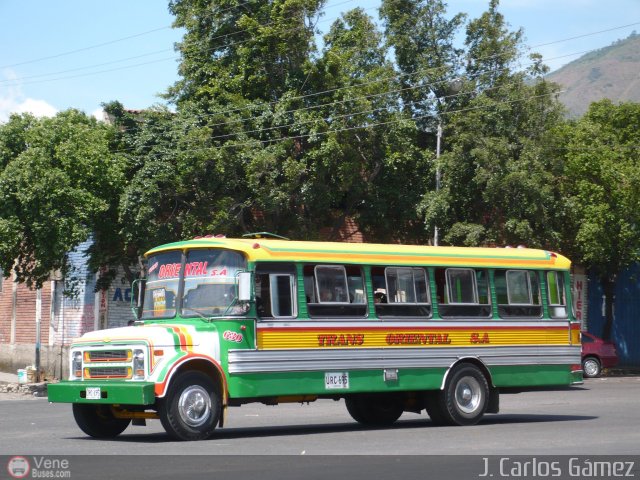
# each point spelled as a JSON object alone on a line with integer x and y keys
{"x": 112, "y": 392}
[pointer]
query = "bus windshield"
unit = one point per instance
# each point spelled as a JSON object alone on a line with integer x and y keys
{"x": 209, "y": 284}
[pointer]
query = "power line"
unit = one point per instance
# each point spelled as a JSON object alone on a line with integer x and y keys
{"x": 328, "y": 104}
{"x": 88, "y": 74}
{"x": 264, "y": 143}
{"x": 110, "y": 42}
{"x": 84, "y": 49}
{"x": 586, "y": 35}
{"x": 333, "y": 117}
{"x": 18, "y": 81}
{"x": 423, "y": 72}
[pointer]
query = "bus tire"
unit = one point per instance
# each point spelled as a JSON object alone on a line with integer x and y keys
{"x": 465, "y": 396}
{"x": 98, "y": 421}
{"x": 432, "y": 405}
{"x": 375, "y": 410}
{"x": 191, "y": 409}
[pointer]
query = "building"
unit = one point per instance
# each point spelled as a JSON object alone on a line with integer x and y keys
{"x": 43, "y": 322}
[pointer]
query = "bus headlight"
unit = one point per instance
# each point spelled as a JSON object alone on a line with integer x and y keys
{"x": 76, "y": 365}
{"x": 138, "y": 364}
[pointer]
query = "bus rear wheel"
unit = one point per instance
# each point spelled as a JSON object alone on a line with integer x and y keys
{"x": 191, "y": 409}
{"x": 464, "y": 399}
{"x": 375, "y": 410}
{"x": 98, "y": 421}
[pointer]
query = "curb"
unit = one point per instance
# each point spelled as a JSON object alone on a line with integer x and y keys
{"x": 32, "y": 389}
{"x": 621, "y": 372}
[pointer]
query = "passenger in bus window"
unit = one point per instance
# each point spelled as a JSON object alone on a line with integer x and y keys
{"x": 326, "y": 296}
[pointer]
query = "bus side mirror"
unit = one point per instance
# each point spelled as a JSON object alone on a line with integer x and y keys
{"x": 244, "y": 286}
{"x": 137, "y": 297}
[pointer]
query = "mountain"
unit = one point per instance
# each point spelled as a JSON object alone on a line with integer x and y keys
{"x": 612, "y": 72}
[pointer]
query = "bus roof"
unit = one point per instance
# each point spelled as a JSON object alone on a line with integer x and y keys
{"x": 375, "y": 254}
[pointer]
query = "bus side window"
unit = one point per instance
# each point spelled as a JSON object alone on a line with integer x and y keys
{"x": 401, "y": 292}
{"x": 556, "y": 295}
{"x": 517, "y": 293}
{"x": 275, "y": 286}
{"x": 462, "y": 292}
{"x": 335, "y": 291}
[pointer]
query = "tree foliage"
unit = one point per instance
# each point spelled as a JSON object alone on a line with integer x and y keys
{"x": 499, "y": 183}
{"x": 272, "y": 127}
{"x": 602, "y": 192}
{"x": 59, "y": 184}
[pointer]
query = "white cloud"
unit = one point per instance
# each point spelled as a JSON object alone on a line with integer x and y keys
{"x": 39, "y": 108}
{"x": 99, "y": 114}
{"x": 13, "y": 100}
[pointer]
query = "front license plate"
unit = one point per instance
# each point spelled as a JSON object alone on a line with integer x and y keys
{"x": 336, "y": 380}
{"x": 93, "y": 393}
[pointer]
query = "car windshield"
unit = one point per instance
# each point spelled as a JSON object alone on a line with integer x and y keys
{"x": 210, "y": 284}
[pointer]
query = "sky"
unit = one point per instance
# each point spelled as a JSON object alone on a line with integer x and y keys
{"x": 60, "y": 54}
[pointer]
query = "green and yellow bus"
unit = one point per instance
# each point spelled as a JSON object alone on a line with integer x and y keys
{"x": 223, "y": 322}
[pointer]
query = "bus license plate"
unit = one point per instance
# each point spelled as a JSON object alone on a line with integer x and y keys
{"x": 334, "y": 380}
{"x": 93, "y": 393}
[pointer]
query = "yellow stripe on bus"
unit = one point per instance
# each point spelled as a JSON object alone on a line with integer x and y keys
{"x": 418, "y": 338}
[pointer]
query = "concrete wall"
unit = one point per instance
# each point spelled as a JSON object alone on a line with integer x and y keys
{"x": 17, "y": 356}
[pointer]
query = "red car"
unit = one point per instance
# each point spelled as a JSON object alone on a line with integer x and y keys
{"x": 596, "y": 355}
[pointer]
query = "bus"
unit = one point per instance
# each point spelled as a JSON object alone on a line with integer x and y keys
{"x": 222, "y": 322}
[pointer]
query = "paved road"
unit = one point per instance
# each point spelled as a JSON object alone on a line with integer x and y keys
{"x": 602, "y": 417}
{"x": 321, "y": 441}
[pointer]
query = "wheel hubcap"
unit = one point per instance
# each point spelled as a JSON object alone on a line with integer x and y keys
{"x": 194, "y": 406}
{"x": 468, "y": 395}
{"x": 590, "y": 367}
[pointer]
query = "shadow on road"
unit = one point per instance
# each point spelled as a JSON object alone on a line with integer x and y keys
{"x": 318, "y": 429}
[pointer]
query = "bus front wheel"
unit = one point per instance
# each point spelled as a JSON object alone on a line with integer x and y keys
{"x": 464, "y": 399}
{"x": 98, "y": 421}
{"x": 191, "y": 409}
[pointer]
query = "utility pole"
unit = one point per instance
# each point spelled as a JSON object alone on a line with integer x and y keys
{"x": 38, "y": 326}
{"x": 454, "y": 87}
{"x": 438, "y": 140}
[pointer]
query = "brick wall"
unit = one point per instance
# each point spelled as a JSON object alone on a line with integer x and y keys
{"x": 25, "y": 313}
{"x": 61, "y": 318}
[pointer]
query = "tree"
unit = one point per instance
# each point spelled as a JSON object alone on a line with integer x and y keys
{"x": 602, "y": 191}
{"x": 428, "y": 62}
{"x": 500, "y": 185}
{"x": 59, "y": 183}
{"x": 492, "y": 49}
{"x": 179, "y": 184}
{"x": 366, "y": 154}
{"x": 242, "y": 52}
{"x": 313, "y": 139}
